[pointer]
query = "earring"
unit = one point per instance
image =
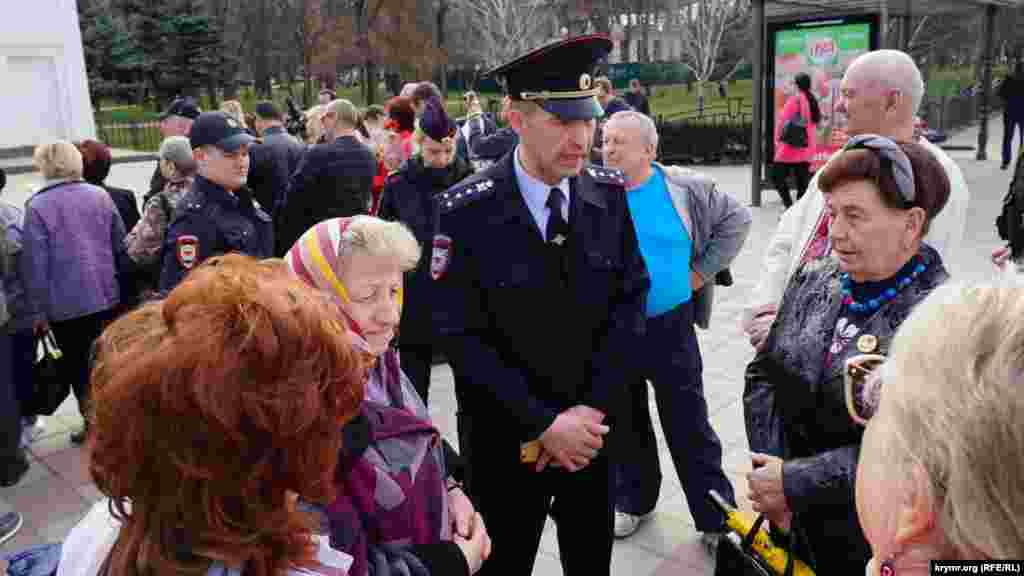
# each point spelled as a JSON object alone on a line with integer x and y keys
{"x": 887, "y": 568}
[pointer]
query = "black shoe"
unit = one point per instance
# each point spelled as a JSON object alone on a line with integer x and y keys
{"x": 1004, "y": 166}
{"x": 10, "y": 523}
{"x": 13, "y": 473}
{"x": 78, "y": 438}
{"x": 710, "y": 541}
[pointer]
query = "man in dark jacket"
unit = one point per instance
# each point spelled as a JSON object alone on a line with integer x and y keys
{"x": 636, "y": 99}
{"x": 476, "y": 121}
{"x": 486, "y": 149}
{"x": 1012, "y": 93}
{"x": 272, "y": 161}
{"x": 175, "y": 121}
{"x": 611, "y": 104}
{"x": 333, "y": 180}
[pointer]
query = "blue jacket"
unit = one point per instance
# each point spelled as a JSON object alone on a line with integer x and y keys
{"x": 529, "y": 342}
{"x": 209, "y": 221}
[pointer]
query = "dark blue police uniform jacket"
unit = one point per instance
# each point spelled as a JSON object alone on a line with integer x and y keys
{"x": 530, "y": 344}
{"x": 216, "y": 222}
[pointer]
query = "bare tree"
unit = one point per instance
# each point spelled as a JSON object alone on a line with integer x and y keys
{"x": 703, "y": 24}
{"x": 508, "y": 28}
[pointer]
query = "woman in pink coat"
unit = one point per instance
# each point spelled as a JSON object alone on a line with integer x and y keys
{"x": 791, "y": 159}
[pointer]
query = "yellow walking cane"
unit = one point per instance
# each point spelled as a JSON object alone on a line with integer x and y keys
{"x": 755, "y": 544}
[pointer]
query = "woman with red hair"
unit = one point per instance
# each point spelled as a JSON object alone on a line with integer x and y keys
{"x": 400, "y": 124}
{"x": 215, "y": 411}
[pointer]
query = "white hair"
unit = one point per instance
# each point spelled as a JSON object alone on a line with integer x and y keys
{"x": 953, "y": 404}
{"x": 379, "y": 238}
{"x": 639, "y": 121}
{"x": 897, "y": 70}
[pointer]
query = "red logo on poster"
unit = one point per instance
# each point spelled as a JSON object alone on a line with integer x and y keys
{"x": 822, "y": 49}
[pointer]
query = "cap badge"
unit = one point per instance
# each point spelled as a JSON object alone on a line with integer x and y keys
{"x": 585, "y": 81}
{"x": 231, "y": 121}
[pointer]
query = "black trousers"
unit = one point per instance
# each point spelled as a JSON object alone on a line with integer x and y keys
{"x": 674, "y": 367}
{"x": 801, "y": 172}
{"x": 12, "y": 458}
{"x": 515, "y": 502}
{"x": 75, "y": 338}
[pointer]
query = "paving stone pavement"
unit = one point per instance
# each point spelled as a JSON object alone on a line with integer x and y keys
{"x": 57, "y": 490}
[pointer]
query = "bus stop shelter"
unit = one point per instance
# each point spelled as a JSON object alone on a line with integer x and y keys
{"x": 902, "y": 11}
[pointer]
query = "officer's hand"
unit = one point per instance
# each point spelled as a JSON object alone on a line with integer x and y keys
{"x": 476, "y": 548}
{"x": 571, "y": 438}
{"x": 766, "y": 490}
{"x": 587, "y": 413}
{"x": 1000, "y": 256}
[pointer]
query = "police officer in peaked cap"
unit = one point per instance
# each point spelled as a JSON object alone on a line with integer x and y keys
{"x": 541, "y": 288}
{"x": 218, "y": 215}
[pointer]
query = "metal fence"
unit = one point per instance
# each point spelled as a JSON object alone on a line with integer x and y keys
{"x": 952, "y": 113}
{"x": 707, "y": 135}
{"x": 143, "y": 136}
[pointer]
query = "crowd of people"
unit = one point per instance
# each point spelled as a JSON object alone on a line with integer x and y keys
{"x": 252, "y": 353}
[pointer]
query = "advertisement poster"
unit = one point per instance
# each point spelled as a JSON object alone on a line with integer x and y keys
{"x": 822, "y": 50}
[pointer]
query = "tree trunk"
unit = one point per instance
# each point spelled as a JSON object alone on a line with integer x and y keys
{"x": 442, "y": 13}
{"x": 646, "y": 31}
{"x": 370, "y": 82}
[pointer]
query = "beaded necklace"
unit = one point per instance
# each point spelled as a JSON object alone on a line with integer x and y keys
{"x": 873, "y": 304}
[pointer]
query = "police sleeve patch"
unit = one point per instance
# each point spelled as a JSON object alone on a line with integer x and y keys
{"x": 440, "y": 256}
{"x": 607, "y": 175}
{"x": 462, "y": 195}
{"x": 187, "y": 249}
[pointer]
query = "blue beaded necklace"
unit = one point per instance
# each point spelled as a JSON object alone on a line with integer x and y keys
{"x": 874, "y": 304}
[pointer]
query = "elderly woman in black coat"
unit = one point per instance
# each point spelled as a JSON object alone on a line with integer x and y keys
{"x": 408, "y": 197}
{"x": 880, "y": 196}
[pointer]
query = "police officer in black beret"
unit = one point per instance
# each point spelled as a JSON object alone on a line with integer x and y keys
{"x": 218, "y": 214}
{"x": 408, "y": 197}
{"x": 542, "y": 293}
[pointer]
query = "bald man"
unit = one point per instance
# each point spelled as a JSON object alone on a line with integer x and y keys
{"x": 880, "y": 94}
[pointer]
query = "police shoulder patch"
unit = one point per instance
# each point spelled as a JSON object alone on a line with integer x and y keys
{"x": 604, "y": 175}
{"x": 464, "y": 194}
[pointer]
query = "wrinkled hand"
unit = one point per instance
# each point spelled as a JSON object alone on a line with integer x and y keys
{"x": 461, "y": 511}
{"x": 476, "y": 548}
{"x": 758, "y": 322}
{"x": 572, "y": 440}
{"x": 766, "y": 490}
{"x": 1001, "y": 256}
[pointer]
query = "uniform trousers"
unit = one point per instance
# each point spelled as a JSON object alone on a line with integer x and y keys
{"x": 1011, "y": 126}
{"x": 515, "y": 502}
{"x": 674, "y": 367}
{"x": 12, "y": 458}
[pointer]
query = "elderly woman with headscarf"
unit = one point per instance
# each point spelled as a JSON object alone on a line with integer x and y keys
{"x": 398, "y": 503}
{"x": 409, "y": 198}
{"x": 881, "y": 196}
{"x": 939, "y": 471}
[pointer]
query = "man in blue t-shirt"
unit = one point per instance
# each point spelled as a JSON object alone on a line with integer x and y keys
{"x": 688, "y": 232}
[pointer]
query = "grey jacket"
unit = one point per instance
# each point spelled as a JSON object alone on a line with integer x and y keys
{"x": 718, "y": 225}
{"x": 12, "y": 289}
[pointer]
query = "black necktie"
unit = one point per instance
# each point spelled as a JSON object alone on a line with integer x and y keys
{"x": 558, "y": 228}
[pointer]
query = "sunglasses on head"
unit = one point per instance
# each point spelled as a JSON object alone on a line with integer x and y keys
{"x": 889, "y": 152}
{"x": 862, "y": 381}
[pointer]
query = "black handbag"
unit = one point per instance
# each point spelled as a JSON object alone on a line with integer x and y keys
{"x": 794, "y": 132}
{"x": 49, "y": 387}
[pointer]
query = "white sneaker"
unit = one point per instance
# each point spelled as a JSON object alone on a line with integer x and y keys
{"x": 626, "y": 524}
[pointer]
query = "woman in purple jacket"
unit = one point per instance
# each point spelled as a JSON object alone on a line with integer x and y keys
{"x": 71, "y": 235}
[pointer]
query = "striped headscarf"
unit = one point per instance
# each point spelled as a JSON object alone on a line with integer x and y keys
{"x": 314, "y": 260}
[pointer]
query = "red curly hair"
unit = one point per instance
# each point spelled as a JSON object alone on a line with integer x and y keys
{"x": 209, "y": 408}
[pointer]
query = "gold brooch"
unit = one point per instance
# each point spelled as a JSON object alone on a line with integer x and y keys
{"x": 867, "y": 343}
{"x": 585, "y": 81}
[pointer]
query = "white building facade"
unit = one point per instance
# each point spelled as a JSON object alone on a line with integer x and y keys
{"x": 44, "y": 89}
